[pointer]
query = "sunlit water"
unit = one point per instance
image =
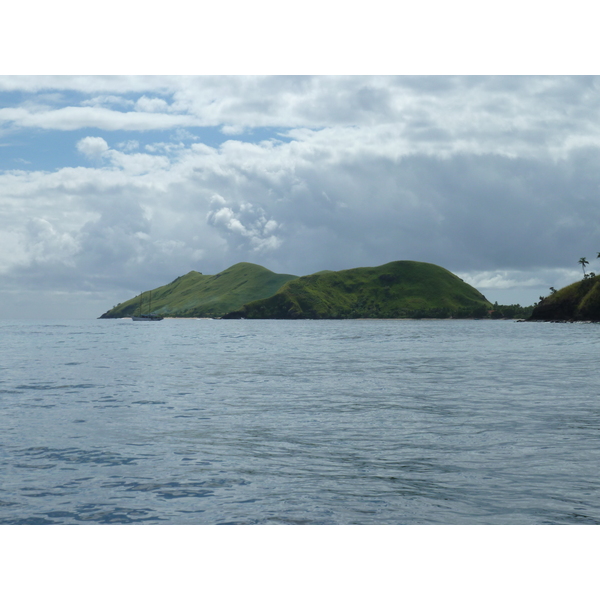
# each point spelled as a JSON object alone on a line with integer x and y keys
{"x": 294, "y": 422}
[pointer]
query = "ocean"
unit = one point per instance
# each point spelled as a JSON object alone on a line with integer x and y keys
{"x": 374, "y": 422}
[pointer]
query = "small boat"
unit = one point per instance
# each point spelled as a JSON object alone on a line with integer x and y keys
{"x": 149, "y": 316}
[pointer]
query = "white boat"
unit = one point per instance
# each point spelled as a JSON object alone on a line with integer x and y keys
{"x": 149, "y": 316}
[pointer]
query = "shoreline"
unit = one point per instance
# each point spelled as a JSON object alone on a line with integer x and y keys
{"x": 357, "y": 319}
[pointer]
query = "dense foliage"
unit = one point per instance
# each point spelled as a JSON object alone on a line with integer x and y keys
{"x": 401, "y": 289}
{"x": 579, "y": 301}
{"x": 510, "y": 311}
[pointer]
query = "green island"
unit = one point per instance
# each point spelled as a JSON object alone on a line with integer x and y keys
{"x": 579, "y": 301}
{"x": 401, "y": 289}
{"x": 396, "y": 290}
{"x": 197, "y": 295}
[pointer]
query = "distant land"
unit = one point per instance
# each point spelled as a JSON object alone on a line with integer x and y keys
{"x": 400, "y": 289}
{"x": 579, "y": 301}
{"x": 198, "y": 295}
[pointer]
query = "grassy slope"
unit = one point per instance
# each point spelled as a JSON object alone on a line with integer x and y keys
{"x": 197, "y": 295}
{"x": 395, "y": 290}
{"x": 579, "y": 301}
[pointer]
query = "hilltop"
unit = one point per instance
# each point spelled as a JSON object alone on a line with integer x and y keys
{"x": 579, "y": 301}
{"x": 401, "y": 289}
{"x": 198, "y": 295}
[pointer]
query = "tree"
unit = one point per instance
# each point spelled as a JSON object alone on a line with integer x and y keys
{"x": 583, "y": 261}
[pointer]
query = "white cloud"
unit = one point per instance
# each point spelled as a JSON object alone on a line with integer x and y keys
{"x": 164, "y": 147}
{"x": 144, "y": 215}
{"x": 247, "y": 222}
{"x": 514, "y": 117}
{"x": 232, "y": 129}
{"x": 222, "y": 216}
{"x": 523, "y": 287}
{"x": 492, "y": 280}
{"x": 270, "y": 226}
{"x": 129, "y": 145}
{"x": 47, "y": 244}
{"x": 12, "y": 250}
{"x": 183, "y": 135}
{"x": 92, "y": 147}
{"x": 131, "y": 164}
{"x": 72, "y": 118}
{"x": 138, "y": 163}
{"x": 145, "y": 104}
{"x": 109, "y": 100}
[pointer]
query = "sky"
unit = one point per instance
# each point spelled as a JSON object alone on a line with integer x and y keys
{"x": 110, "y": 185}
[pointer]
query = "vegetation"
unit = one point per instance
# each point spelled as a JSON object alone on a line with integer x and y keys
{"x": 510, "y": 311}
{"x": 197, "y": 295}
{"x": 579, "y": 301}
{"x": 402, "y": 289}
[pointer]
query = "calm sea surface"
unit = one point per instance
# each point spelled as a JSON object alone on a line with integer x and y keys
{"x": 299, "y": 422}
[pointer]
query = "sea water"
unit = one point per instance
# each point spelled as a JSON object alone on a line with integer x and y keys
{"x": 299, "y": 422}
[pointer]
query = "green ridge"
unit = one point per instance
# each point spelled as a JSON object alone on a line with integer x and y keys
{"x": 579, "y": 301}
{"x": 197, "y": 295}
{"x": 401, "y": 289}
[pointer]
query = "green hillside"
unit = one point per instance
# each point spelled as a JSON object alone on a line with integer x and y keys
{"x": 197, "y": 295}
{"x": 579, "y": 301}
{"x": 402, "y": 289}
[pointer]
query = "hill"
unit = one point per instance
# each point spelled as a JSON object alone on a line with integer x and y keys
{"x": 197, "y": 295}
{"x": 579, "y": 301}
{"x": 401, "y": 289}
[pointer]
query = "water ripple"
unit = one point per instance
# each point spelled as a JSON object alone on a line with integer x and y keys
{"x": 313, "y": 422}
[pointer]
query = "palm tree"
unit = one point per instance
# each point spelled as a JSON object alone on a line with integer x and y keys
{"x": 583, "y": 261}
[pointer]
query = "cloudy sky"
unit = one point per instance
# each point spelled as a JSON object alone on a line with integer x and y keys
{"x": 113, "y": 185}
